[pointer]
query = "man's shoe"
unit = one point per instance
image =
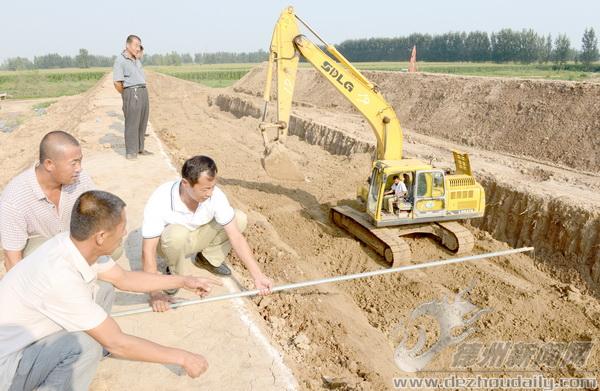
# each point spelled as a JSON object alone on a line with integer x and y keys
{"x": 201, "y": 262}
{"x": 145, "y": 152}
{"x": 131, "y": 156}
{"x": 170, "y": 292}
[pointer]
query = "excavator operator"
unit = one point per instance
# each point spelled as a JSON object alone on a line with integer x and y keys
{"x": 396, "y": 192}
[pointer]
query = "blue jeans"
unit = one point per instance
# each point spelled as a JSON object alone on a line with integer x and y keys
{"x": 62, "y": 361}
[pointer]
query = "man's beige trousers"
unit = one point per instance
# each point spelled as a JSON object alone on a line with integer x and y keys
{"x": 178, "y": 242}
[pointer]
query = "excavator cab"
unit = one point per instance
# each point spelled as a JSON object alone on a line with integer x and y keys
{"x": 425, "y": 198}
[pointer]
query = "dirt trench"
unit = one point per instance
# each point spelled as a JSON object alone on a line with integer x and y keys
{"x": 565, "y": 235}
{"x": 349, "y": 331}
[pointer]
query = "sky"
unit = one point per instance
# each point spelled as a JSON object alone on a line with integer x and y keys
{"x": 30, "y": 28}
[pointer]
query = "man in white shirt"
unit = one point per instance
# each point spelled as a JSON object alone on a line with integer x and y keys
{"x": 191, "y": 216}
{"x": 54, "y": 320}
{"x": 397, "y": 192}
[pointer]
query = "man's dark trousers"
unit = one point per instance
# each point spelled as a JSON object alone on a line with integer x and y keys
{"x": 135, "y": 109}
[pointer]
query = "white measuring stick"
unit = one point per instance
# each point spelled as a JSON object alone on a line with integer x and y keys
{"x": 346, "y": 277}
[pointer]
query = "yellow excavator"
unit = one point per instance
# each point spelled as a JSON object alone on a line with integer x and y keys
{"x": 434, "y": 198}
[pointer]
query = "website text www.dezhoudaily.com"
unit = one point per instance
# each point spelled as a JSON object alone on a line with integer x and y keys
{"x": 537, "y": 382}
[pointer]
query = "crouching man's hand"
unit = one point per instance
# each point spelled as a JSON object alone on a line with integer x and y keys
{"x": 194, "y": 364}
{"x": 264, "y": 284}
{"x": 160, "y": 301}
{"x": 200, "y": 285}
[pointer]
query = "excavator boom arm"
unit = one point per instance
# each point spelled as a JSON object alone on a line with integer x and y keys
{"x": 286, "y": 45}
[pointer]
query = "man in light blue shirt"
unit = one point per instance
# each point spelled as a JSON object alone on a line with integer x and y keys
{"x": 129, "y": 80}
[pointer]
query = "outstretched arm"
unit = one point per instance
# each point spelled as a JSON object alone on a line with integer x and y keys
{"x": 242, "y": 249}
{"x": 148, "y": 282}
{"x": 159, "y": 301}
{"x": 109, "y": 335}
{"x": 149, "y": 246}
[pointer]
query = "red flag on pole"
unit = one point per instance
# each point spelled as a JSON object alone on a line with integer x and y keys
{"x": 412, "y": 67}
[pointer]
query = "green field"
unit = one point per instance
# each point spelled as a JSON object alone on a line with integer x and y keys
{"x": 223, "y": 75}
{"x": 531, "y": 71}
{"x": 59, "y": 82}
{"x": 49, "y": 83}
{"x": 211, "y": 75}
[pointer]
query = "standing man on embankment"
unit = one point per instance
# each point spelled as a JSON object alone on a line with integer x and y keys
{"x": 129, "y": 80}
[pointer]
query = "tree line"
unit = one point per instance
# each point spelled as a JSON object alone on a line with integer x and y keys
{"x": 507, "y": 45}
{"x": 175, "y": 58}
{"x": 86, "y": 60}
{"x": 54, "y": 60}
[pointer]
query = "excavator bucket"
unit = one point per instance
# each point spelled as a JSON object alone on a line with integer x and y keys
{"x": 278, "y": 164}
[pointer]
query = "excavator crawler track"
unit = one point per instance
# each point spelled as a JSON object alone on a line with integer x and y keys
{"x": 388, "y": 242}
{"x": 455, "y": 237}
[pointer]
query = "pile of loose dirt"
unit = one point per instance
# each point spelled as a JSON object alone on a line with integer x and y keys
{"x": 277, "y": 163}
{"x": 348, "y": 331}
{"x": 555, "y": 121}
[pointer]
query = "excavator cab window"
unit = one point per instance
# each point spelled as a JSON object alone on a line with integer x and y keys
{"x": 430, "y": 184}
{"x": 376, "y": 181}
{"x": 430, "y": 197}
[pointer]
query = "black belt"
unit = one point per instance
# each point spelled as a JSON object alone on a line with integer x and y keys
{"x": 137, "y": 86}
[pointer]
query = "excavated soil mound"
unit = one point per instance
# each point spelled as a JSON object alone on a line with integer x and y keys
{"x": 556, "y": 121}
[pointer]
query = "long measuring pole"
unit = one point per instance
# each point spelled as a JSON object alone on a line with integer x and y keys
{"x": 346, "y": 277}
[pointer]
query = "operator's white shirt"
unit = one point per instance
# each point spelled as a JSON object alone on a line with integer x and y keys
{"x": 399, "y": 189}
{"x": 166, "y": 207}
{"x": 51, "y": 289}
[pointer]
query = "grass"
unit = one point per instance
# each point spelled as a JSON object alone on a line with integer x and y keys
{"x": 211, "y": 75}
{"x": 532, "y": 71}
{"x": 43, "y": 105}
{"x": 60, "y": 82}
{"x": 49, "y": 83}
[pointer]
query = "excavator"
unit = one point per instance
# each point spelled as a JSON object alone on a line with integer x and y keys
{"x": 436, "y": 198}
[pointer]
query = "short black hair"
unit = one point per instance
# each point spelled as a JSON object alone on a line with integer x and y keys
{"x": 194, "y": 167}
{"x": 396, "y": 177}
{"x": 131, "y": 37}
{"x": 53, "y": 141}
{"x": 95, "y": 210}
